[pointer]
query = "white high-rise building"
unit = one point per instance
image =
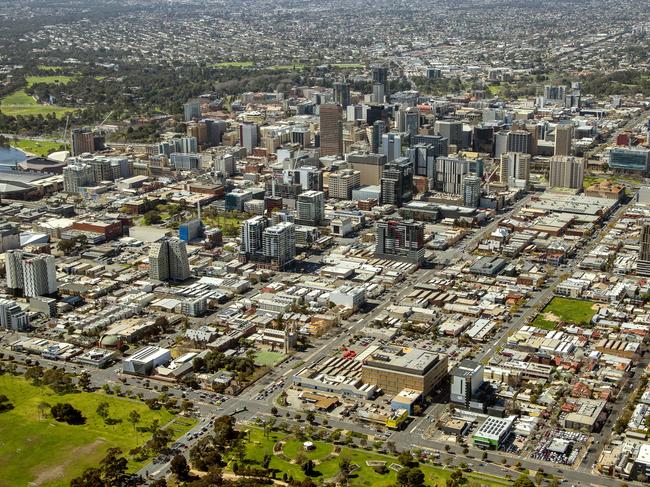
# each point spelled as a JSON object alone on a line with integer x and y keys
{"x": 35, "y": 274}
{"x": 12, "y": 317}
{"x": 280, "y": 243}
{"x": 391, "y": 146}
{"x": 77, "y": 176}
{"x": 342, "y": 183}
{"x": 515, "y": 169}
{"x": 252, "y": 235}
{"x": 566, "y": 172}
{"x": 168, "y": 260}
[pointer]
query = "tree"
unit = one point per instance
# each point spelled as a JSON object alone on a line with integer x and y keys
{"x": 204, "y": 455}
{"x": 43, "y": 407}
{"x": 308, "y": 467}
{"x": 415, "y": 477}
{"x": 113, "y": 466}
{"x": 134, "y": 418}
{"x": 523, "y": 481}
{"x": 224, "y": 431}
{"x": 403, "y": 476}
{"x": 152, "y": 217}
{"x": 84, "y": 381}
{"x": 65, "y": 245}
{"x": 91, "y": 477}
{"x": 103, "y": 410}
{"x": 159, "y": 440}
{"x": 5, "y": 404}
{"x": 66, "y": 413}
{"x": 405, "y": 458}
{"x": 344, "y": 470}
{"x": 310, "y": 417}
{"x": 274, "y": 411}
{"x": 179, "y": 467}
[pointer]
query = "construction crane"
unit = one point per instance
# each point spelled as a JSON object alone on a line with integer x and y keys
{"x": 98, "y": 127}
{"x": 489, "y": 178}
{"x": 65, "y": 133}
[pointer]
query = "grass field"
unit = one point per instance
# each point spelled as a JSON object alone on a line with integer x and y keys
{"x": 566, "y": 310}
{"x": 348, "y": 65}
{"x": 20, "y": 103}
{"x": 234, "y": 64}
{"x": 38, "y": 147}
{"x": 270, "y": 359}
{"x": 285, "y": 67}
{"x": 50, "y": 80}
{"x": 49, "y": 453}
{"x": 45, "y": 67}
{"x": 328, "y": 463}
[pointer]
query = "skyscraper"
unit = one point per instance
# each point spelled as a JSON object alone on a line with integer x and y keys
{"x": 343, "y": 182}
{"x": 331, "y": 130}
{"x": 380, "y": 75}
{"x": 423, "y": 158}
{"x": 12, "y": 317}
{"x": 643, "y": 262}
{"x": 566, "y": 172}
{"x": 168, "y": 260}
{"x": 449, "y": 174}
{"x": 311, "y": 208}
{"x": 248, "y": 136}
{"x": 77, "y": 176}
{"x": 401, "y": 240}
{"x": 35, "y": 274}
{"x": 391, "y": 146}
{"x": 252, "y": 231}
{"x": 471, "y": 191}
{"x": 520, "y": 141}
{"x": 451, "y": 130}
{"x": 378, "y": 93}
{"x": 342, "y": 94}
{"x": 408, "y": 121}
{"x": 397, "y": 182}
{"x": 192, "y": 110}
{"x": 83, "y": 140}
{"x": 563, "y": 140}
{"x": 279, "y": 244}
{"x": 515, "y": 169}
{"x": 378, "y": 130}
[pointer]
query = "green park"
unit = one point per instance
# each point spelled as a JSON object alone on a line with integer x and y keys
{"x": 35, "y": 449}
{"x": 565, "y": 310}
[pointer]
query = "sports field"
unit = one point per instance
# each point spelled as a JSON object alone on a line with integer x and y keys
{"x": 565, "y": 310}
{"x": 20, "y": 103}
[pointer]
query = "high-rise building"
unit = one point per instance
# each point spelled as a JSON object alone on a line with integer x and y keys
{"x": 215, "y": 131}
{"x": 643, "y": 262}
{"x": 451, "y": 130}
{"x": 378, "y": 130}
{"x": 563, "y": 140}
{"x": 192, "y": 110}
{"x": 77, "y": 176}
{"x": 391, "y": 146}
{"x": 248, "y": 136}
{"x": 342, "y": 94}
{"x": 331, "y": 130}
{"x": 397, "y": 182}
{"x": 102, "y": 169}
{"x": 423, "y": 158}
{"x": 483, "y": 139}
{"x": 566, "y": 172}
{"x": 520, "y": 141}
{"x": 252, "y": 231}
{"x": 378, "y": 93}
{"x": 311, "y": 208}
{"x": 466, "y": 379}
{"x": 629, "y": 160}
{"x": 515, "y": 169}
{"x": 168, "y": 260}
{"x": 408, "y": 121}
{"x": 12, "y": 316}
{"x": 83, "y": 141}
{"x": 34, "y": 274}
{"x": 300, "y": 134}
{"x": 554, "y": 93}
{"x": 401, "y": 240}
{"x": 449, "y": 174}
{"x": 342, "y": 183}
{"x": 369, "y": 165}
{"x": 279, "y": 244}
{"x": 226, "y": 165}
{"x": 471, "y": 191}
{"x": 380, "y": 75}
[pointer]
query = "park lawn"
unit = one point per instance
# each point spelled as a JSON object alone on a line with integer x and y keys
{"x": 50, "y": 453}
{"x": 20, "y": 103}
{"x": 258, "y": 445}
{"x": 348, "y": 65}
{"x": 234, "y": 64}
{"x": 567, "y": 310}
{"x": 270, "y": 359}
{"x": 45, "y": 67}
{"x": 48, "y": 80}
{"x": 41, "y": 148}
{"x": 286, "y": 67}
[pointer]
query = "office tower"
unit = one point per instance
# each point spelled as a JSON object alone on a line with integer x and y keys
{"x": 198, "y": 131}
{"x": 226, "y": 165}
{"x": 331, "y": 130}
{"x": 189, "y": 145}
{"x": 12, "y": 316}
{"x": 121, "y": 167}
{"x": 378, "y": 130}
{"x": 83, "y": 141}
{"x": 434, "y": 73}
{"x": 192, "y": 110}
{"x": 440, "y": 144}
{"x": 301, "y": 135}
{"x": 423, "y": 159}
{"x": 77, "y": 176}
{"x": 391, "y": 146}
{"x": 449, "y": 174}
{"x": 378, "y": 93}
{"x": 380, "y": 75}
{"x": 248, "y": 136}
{"x": 520, "y": 141}
{"x": 554, "y": 93}
{"x": 629, "y": 160}
{"x": 471, "y": 191}
{"x": 215, "y": 131}
{"x": 168, "y": 260}
{"x": 466, "y": 379}
{"x": 500, "y": 143}
{"x": 483, "y": 139}
{"x": 563, "y": 140}
{"x": 35, "y": 274}
{"x": 515, "y": 169}
{"x": 397, "y": 182}
{"x": 566, "y": 172}
{"x": 279, "y": 244}
{"x": 452, "y": 131}
{"x": 354, "y": 113}
{"x": 309, "y": 177}
{"x": 186, "y": 162}
{"x": 311, "y": 208}
{"x": 401, "y": 240}
{"x": 643, "y": 262}
{"x": 252, "y": 231}
{"x": 411, "y": 117}
{"x": 369, "y": 165}
{"x": 102, "y": 170}
{"x": 342, "y": 183}
{"x": 342, "y": 94}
